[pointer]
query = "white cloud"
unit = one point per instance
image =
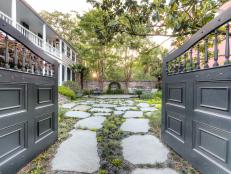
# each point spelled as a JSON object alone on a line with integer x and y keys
{"x": 80, "y": 6}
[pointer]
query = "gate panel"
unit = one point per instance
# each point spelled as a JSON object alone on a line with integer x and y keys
{"x": 28, "y": 100}
{"x": 196, "y": 115}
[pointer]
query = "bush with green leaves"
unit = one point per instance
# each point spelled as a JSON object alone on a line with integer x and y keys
{"x": 67, "y": 92}
{"x": 74, "y": 86}
{"x": 139, "y": 92}
{"x": 146, "y": 95}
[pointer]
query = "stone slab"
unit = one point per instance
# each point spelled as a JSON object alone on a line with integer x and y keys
{"x": 101, "y": 110}
{"x": 91, "y": 123}
{"x": 82, "y": 108}
{"x": 144, "y": 149}
{"x": 148, "y": 109}
{"x": 143, "y": 105}
{"x": 133, "y": 114}
{"x": 68, "y": 105}
{"x": 154, "y": 171}
{"x": 104, "y": 105}
{"x": 77, "y": 114}
{"x": 122, "y": 108}
{"x": 117, "y": 113}
{"x": 135, "y": 125}
{"x": 102, "y": 114}
{"x": 78, "y": 153}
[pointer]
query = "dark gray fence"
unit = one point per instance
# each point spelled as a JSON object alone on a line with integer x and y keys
{"x": 196, "y": 115}
{"x": 28, "y": 100}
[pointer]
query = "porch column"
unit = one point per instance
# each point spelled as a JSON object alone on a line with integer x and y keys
{"x": 71, "y": 75}
{"x": 44, "y": 36}
{"x": 65, "y": 73}
{"x": 60, "y": 48}
{"x": 13, "y": 12}
{"x": 60, "y": 75}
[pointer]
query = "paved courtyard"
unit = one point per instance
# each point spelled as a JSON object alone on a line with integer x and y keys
{"x": 140, "y": 148}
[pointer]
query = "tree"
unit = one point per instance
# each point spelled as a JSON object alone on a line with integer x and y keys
{"x": 64, "y": 24}
{"x": 156, "y": 18}
{"x": 82, "y": 70}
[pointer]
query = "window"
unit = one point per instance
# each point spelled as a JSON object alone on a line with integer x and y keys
{"x": 68, "y": 74}
{"x": 73, "y": 56}
{"x": 63, "y": 71}
{"x": 63, "y": 47}
{"x": 68, "y": 52}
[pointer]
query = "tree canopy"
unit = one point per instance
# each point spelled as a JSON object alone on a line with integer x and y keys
{"x": 113, "y": 39}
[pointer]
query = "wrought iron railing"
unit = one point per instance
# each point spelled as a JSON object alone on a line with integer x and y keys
{"x": 208, "y": 48}
{"x": 16, "y": 56}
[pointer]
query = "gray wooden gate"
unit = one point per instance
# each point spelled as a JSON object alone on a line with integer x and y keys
{"x": 28, "y": 100}
{"x": 196, "y": 115}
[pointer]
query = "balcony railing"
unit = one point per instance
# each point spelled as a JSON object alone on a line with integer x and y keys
{"x": 31, "y": 36}
{"x": 6, "y": 18}
{"x": 52, "y": 50}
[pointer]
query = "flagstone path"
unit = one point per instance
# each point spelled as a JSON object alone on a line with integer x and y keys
{"x": 79, "y": 153}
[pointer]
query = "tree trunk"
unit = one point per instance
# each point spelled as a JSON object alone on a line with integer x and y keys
{"x": 81, "y": 80}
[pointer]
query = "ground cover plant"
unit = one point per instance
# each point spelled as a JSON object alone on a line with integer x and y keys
{"x": 109, "y": 147}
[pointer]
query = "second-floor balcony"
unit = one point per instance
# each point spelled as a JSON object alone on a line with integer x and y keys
{"x": 18, "y": 14}
{"x": 38, "y": 41}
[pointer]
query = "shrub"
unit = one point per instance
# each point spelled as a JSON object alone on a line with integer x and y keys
{"x": 146, "y": 95}
{"x": 139, "y": 93}
{"x": 74, "y": 86}
{"x": 67, "y": 92}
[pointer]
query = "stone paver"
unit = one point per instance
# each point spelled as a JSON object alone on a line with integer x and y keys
{"x": 143, "y": 105}
{"x": 133, "y": 114}
{"x": 148, "y": 109}
{"x": 102, "y": 114}
{"x": 68, "y": 105}
{"x": 135, "y": 125}
{"x": 82, "y": 108}
{"x": 144, "y": 149}
{"x": 101, "y": 110}
{"x": 91, "y": 122}
{"x": 104, "y": 105}
{"x": 77, "y": 114}
{"x": 78, "y": 153}
{"x": 116, "y": 113}
{"x": 122, "y": 108}
{"x": 154, "y": 171}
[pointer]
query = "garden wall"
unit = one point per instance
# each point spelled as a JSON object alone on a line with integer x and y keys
{"x": 133, "y": 84}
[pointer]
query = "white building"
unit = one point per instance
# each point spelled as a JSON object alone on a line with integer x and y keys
{"x": 22, "y": 16}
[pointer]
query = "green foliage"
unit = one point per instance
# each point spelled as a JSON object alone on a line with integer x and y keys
{"x": 157, "y": 99}
{"x": 139, "y": 93}
{"x": 117, "y": 162}
{"x": 102, "y": 172}
{"x": 146, "y": 95}
{"x": 67, "y": 92}
{"x": 61, "y": 114}
{"x": 74, "y": 86}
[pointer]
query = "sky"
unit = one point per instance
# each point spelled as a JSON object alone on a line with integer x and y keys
{"x": 81, "y": 6}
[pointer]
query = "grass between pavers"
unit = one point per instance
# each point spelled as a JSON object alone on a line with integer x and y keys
{"x": 175, "y": 161}
{"x": 109, "y": 147}
{"x": 41, "y": 164}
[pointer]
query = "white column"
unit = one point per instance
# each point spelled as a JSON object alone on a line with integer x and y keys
{"x": 60, "y": 48}
{"x": 44, "y": 36}
{"x": 65, "y": 73}
{"x": 71, "y": 75}
{"x": 60, "y": 74}
{"x": 14, "y": 12}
